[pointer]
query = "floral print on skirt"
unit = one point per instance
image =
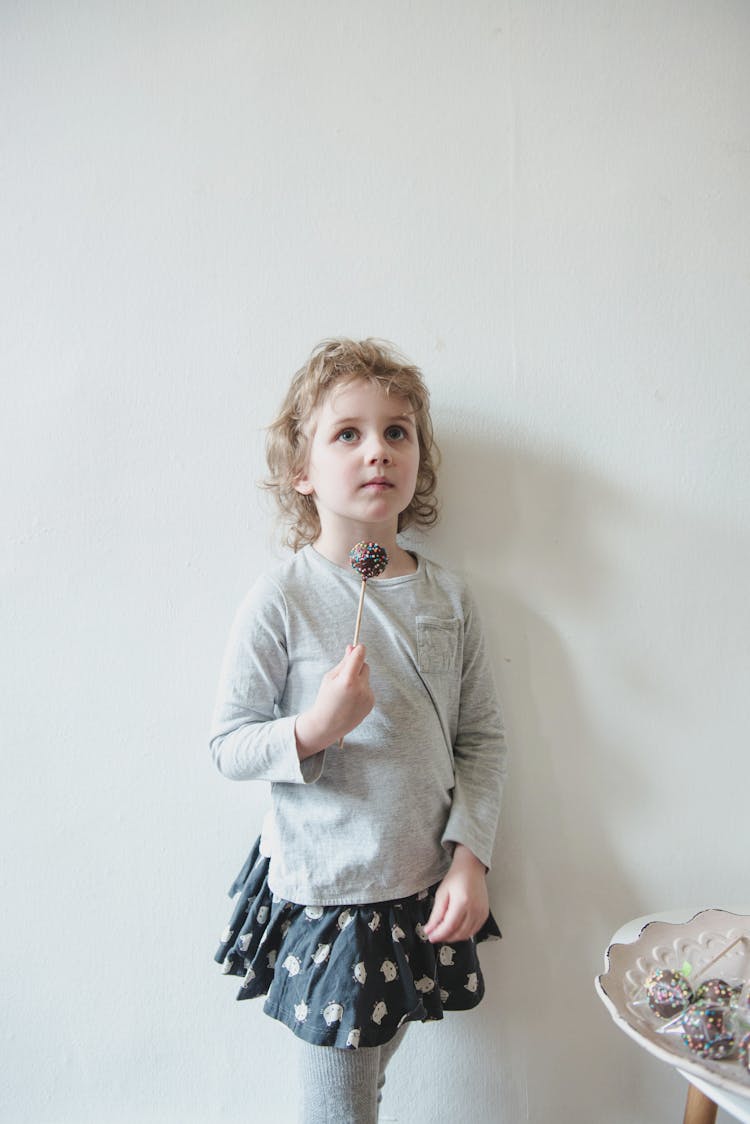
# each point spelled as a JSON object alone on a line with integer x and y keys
{"x": 345, "y": 976}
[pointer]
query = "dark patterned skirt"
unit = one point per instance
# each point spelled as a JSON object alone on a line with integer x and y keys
{"x": 345, "y": 976}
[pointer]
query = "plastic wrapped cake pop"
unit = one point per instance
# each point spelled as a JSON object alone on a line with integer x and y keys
{"x": 745, "y": 1050}
{"x": 714, "y": 991}
{"x": 701, "y": 1014}
{"x": 668, "y": 992}
{"x": 708, "y": 1030}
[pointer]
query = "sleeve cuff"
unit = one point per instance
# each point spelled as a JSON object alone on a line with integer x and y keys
{"x": 310, "y": 769}
{"x": 453, "y": 835}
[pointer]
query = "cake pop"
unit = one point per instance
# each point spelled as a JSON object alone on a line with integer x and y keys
{"x": 369, "y": 559}
{"x": 745, "y": 1051}
{"x": 714, "y": 991}
{"x": 668, "y": 992}
{"x": 707, "y": 1030}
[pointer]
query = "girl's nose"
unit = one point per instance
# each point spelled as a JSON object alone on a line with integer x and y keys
{"x": 380, "y": 454}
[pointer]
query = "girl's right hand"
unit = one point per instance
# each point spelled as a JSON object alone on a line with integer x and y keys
{"x": 343, "y": 700}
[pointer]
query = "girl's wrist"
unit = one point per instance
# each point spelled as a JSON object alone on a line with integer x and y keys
{"x": 463, "y": 856}
{"x": 308, "y": 735}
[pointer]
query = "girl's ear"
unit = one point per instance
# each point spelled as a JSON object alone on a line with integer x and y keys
{"x": 303, "y": 485}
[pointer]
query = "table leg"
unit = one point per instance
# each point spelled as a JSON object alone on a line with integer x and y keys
{"x": 699, "y": 1109}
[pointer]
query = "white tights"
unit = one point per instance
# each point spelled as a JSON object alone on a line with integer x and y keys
{"x": 344, "y": 1086}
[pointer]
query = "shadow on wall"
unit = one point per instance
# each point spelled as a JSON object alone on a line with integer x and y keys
{"x": 530, "y": 535}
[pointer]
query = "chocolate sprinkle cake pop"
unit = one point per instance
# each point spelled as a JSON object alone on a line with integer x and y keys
{"x": 707, "y": 1031}
{"x": 668, "y": 992}
{"x": 714, "y": 991}
{"x": 745, "y": 1050}
{"x": 369, "y": 559}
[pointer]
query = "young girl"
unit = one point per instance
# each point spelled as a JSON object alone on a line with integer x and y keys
{"x": 360, "y": 907}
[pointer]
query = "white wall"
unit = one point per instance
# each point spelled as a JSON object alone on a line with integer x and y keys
{"x": 545, "y": 205}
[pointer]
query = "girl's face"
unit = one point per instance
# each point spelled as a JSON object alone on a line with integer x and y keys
{"x": 362, "y": 460}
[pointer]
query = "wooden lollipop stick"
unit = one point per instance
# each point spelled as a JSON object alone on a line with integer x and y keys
{"x": 711, "y": 963}
{"x": 369, "y": 559}
{"x": 359, "y": 613}
{"x": 356, "y": 630}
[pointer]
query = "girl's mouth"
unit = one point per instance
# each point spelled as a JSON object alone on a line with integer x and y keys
{"x": 378, "y": 485}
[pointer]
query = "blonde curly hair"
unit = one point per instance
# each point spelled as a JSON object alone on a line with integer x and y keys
{"x": 336, "y": 362}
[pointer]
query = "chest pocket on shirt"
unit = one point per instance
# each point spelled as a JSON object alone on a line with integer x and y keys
{"x": 437, "y": 644}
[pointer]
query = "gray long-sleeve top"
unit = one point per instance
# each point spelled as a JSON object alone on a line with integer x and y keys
{"x": 423, "y": 771}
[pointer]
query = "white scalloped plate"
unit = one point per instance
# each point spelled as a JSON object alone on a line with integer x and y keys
{"x": 663, "y": 944}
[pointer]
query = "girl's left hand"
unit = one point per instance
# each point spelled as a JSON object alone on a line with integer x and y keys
{"x": 462, "y": 903}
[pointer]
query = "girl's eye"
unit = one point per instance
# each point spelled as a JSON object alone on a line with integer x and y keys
{"x": 395, "y": 432}
{"x": 347, "y": 436}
